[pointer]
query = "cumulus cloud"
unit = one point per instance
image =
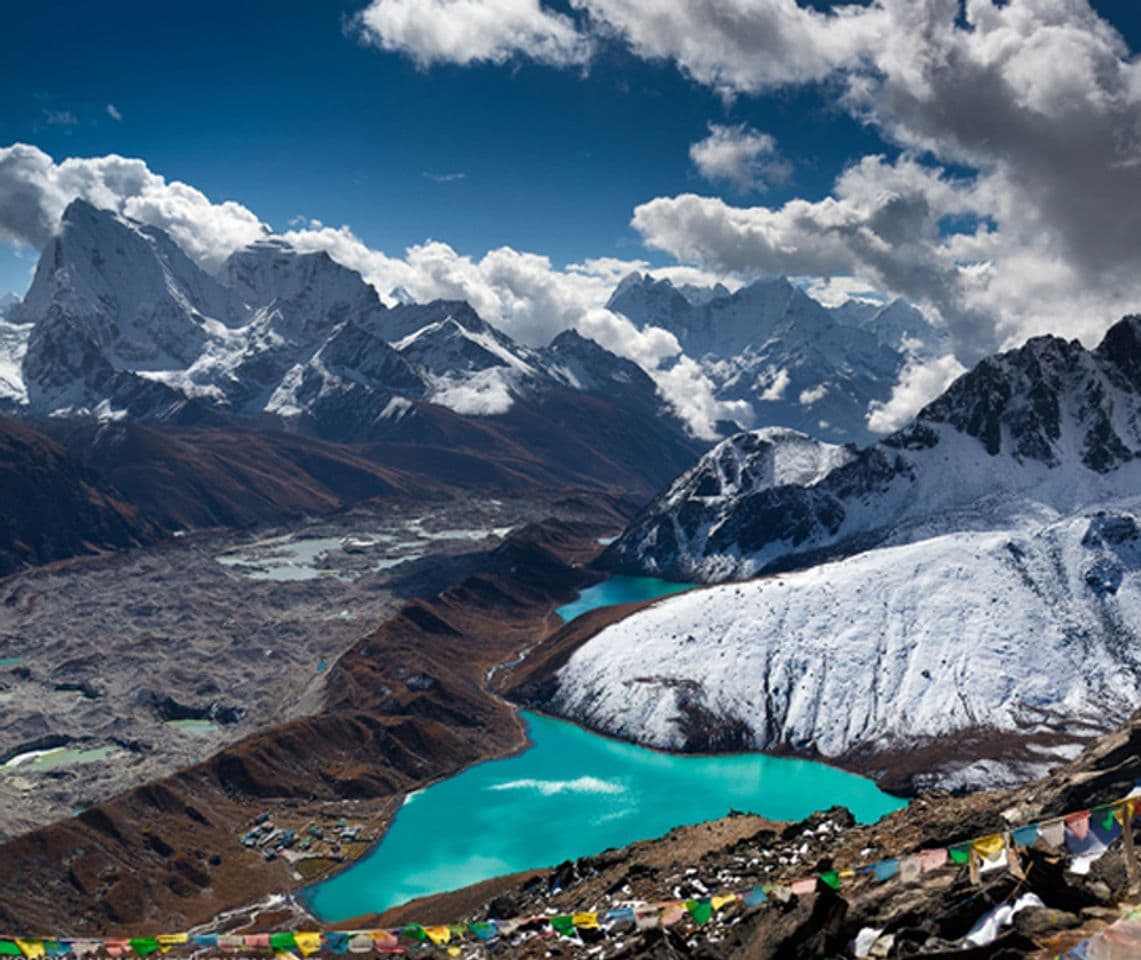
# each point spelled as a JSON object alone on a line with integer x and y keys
{"x": 740, "y": 156}
{"x": 1012, "y": 209}
{"x": 468, "y": 31}
{"x": 919, "y": 383}
{"x": 35, "y": 190}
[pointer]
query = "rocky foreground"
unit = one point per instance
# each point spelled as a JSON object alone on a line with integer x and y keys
{"x": 929, "y": 917}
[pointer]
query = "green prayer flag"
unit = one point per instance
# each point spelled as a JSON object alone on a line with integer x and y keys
{"x": 700, "y": 910}
{"x": 415, "y": 932}
{"x": 1103, "y": 816}
{"x": 960, "y": 854}
{"x": 9, "y": 949}
{"x": 144, "y": 946}
{"x": 563, "y": 925}
{"x": 832, "y": 878}
{"x": 282, "y": 941}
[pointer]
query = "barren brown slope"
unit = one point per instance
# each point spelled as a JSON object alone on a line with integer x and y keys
{"x": 406, "y": 706}
{"x": 52, "y": 507}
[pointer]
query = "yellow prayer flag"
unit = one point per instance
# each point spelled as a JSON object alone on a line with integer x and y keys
{"x": 439, "y": 935}
{"x": 989, "y": 848}
{"x": 168, "y": 940}
{"x": 307, "y": 943}
{"x": 31, "y": 948}
{"x": 454, "y": 951}
{"x": 585, "y": 921}
{"x": 847, "y": 874}
{"x": 723, "y": 900}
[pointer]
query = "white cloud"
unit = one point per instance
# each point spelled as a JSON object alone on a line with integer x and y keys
{"x": 114, "y": 113}
{"x": 469, "y": 31}
{"x": 35, "y": 190}
{"x": 919, "y": 384}
{"x": 740, "y": 156}
{"x": 444, "y": 177}
{"x": 1035, "y": 104}
{"x": 777, "y": 387}
{"x": 812, "y": 395}
{"x": 59, "y": 118}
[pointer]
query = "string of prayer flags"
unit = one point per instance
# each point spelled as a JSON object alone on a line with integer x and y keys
{"x": 1084, "y": 836}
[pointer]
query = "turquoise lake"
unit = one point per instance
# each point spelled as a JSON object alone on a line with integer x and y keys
{"x": 572, "y": 794}
{"x": 619, "y": 589}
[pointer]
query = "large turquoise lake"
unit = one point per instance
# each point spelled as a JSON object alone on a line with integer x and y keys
{"x": 571, "y": 794}
{"x": 574, "y": 793}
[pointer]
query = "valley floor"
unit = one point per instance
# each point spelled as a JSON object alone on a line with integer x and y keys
{"x": 119, "y": 670}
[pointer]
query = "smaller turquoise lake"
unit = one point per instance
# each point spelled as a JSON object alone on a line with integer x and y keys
{"x": 572, "y": 794}
{"x": 619, "y": 589}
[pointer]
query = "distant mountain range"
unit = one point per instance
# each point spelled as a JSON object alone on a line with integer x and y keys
{"x": 798, "y": 364}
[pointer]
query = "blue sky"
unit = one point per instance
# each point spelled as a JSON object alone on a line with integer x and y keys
{"x": 982, "y": 160}
{"x": 271, "y": 104}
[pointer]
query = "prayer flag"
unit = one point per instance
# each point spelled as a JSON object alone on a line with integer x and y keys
{"x": 280, "y": 942}
{"x": 932, "y": 859}
{"x": 754, "y": 897}
{"x": 700, "y": 910}
{"x": 484, "y": 930}
{"x": 307, "y": 943}
{"x": 1025, "y": 836}
{"x": 585, "y": 921}
{"x": 831, "y": 878}
{"x": 885, "y": 869}
{"x": 1078, "y": 824}
{"x": 563, "y": 925}
{"x": 1054, "y": 833}
{"x": 989, "y": 848}
{"x": 438, "y": 935}
{"x": 144, "y": 946}
{"x": 722, "y": 901}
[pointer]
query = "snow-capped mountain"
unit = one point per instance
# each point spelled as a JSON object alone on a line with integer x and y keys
{"x": 119, "y": 322}
{"x": 798, "y": 364}
{"x": 897, "y": 324}
{"x": 1035, "y": 434}
{"x": 969, "y": 659}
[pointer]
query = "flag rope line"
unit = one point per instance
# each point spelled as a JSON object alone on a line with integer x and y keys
{"x": 1104, "y": 823}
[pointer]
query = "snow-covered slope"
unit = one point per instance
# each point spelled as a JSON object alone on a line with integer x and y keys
{"x": 898, "y": 324}
{"x": 770, "y": 344}
{"x": 959, "y": 646}
{"x": 1027, "y": 436}
{"x": 120, "y": 322}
